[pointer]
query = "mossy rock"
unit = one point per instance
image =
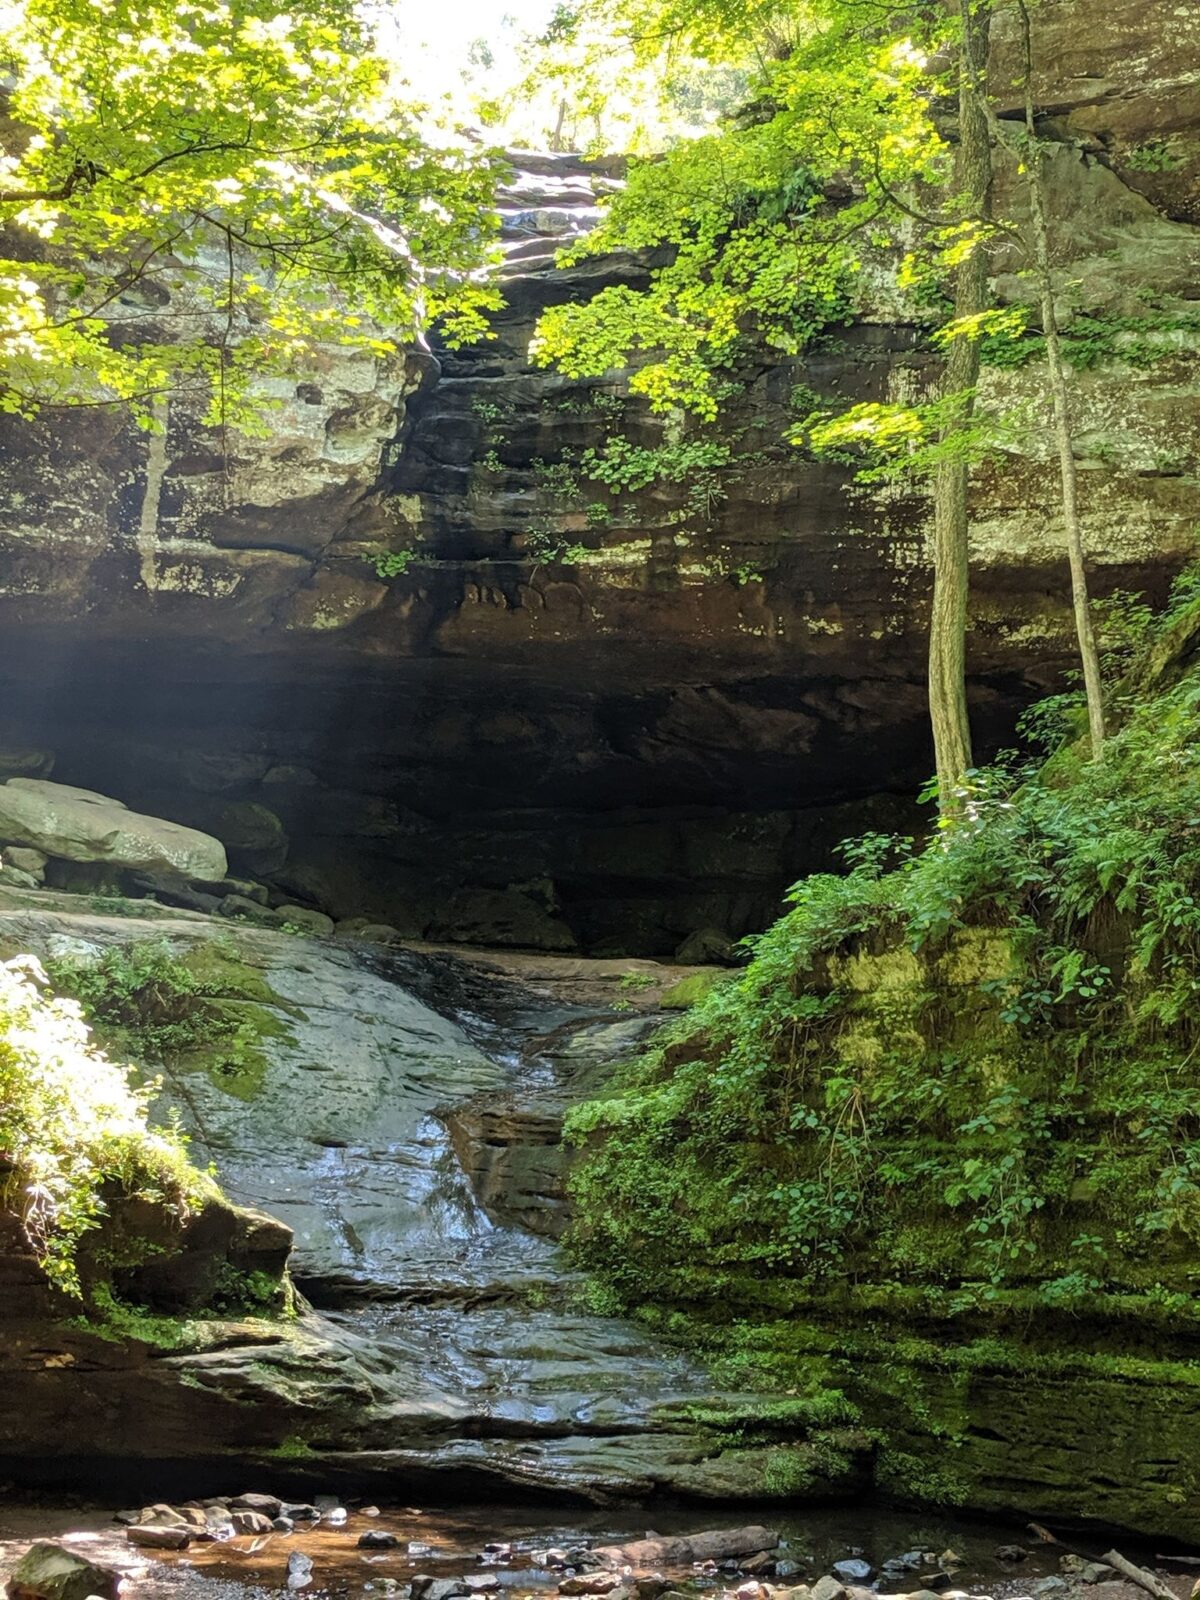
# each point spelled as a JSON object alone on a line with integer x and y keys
{"x": 691, "y": 990}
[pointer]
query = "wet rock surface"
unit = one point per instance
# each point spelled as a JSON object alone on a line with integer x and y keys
{"x": 452, "y": 1345}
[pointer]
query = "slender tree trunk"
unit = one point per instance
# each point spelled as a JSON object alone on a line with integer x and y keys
{"x": 948, "y": 616}
{"x": 1057, "y": 383}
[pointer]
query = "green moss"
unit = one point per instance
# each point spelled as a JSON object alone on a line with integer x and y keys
{"x": 202, "y": 1008}
{"x": 691, "y": 990}
{"x": 293, "y": 1448}
{"x": 118, "y": 1322}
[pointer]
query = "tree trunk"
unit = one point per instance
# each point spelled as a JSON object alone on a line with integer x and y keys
{"x": 948, "y": 615}
{"x": 1057, "y": 383}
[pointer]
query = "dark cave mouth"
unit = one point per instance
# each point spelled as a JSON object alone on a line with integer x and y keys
{"x": 478, "y": 802}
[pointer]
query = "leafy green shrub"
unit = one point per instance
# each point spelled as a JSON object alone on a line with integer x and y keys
{"x": 72, "y": 1122}
{"x": 144, "y": 998}
{"x": 393, "y": 563}
{"x": 970, "y": 1065}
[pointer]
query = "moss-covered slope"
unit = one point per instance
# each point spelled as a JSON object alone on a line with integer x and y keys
{"x": 939, "y": 1145}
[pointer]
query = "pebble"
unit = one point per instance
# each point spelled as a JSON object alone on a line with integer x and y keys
{"x": 369, "y": 1511}
{"x": 1011, "y": 1552}
{"x": 283, "y": 1524}
{"x": 336, "y": 1516}
{"x": 377, "y": 1539}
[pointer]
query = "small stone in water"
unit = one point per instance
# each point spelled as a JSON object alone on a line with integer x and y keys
{"x": 301, "y": 1513}
{"x": 786, "y": 1569}
{"x": 853, "y": 1571}
{"x": 377, "y": 1539}
{"x": 1011, "y": 1552}
{"x": 299, "y": 1570}
{"x": 751, "y": 1590}
{"x": 336, "y": 1516}
{"x": 416, "y": 1548}
{"x": 370, "y": 1511}
{"x": 482, "y": 1582}
{"x": 283, "y": 1524}
{"x": 251, "y": 1522}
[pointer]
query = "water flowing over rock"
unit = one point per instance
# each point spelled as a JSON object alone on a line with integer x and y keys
{"x": 450, "y": 1344}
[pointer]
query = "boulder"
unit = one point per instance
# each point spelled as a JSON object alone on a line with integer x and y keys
{"x": 26, "y": 859}
{"x": 707, "y": 945}
{"x": 828, "y": 1588}
{"x": 48, "y": 1572}
{"x": 424, "y": 1587}
{"x": 159, "y": 1536}
{"x": 268, "y": 1504}
{"x": 717, "y": 1545}
{"x": 299, "y": 1570}
{"x": 314, "y": 923}
{"x": 251, "y": 1522}
{"x": 80, "y": 825}
{"x": 14, "y": 878}
{"x": 253, "y": 835}
{"x": 162, "y": 1515}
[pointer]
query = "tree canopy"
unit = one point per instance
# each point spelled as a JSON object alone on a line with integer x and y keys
{"x": 195, "y": 192}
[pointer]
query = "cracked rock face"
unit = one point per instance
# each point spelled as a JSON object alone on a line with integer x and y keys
{"x": 347, "y": 624}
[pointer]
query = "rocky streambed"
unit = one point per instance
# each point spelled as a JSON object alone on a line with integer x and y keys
{"x": 335, "y": 1548}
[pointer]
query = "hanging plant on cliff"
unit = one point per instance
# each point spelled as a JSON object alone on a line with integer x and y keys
{"x": 195, "y": 194}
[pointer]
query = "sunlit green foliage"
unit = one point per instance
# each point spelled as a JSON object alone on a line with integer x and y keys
{"x": 72, "y": 1122}
{"x": 758, "y": 244}
{"x": 968, "y": 1065}
{"x": 196, "y": 193}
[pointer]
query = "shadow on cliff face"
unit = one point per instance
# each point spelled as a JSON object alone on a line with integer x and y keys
{"x": 466, "y": 802}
